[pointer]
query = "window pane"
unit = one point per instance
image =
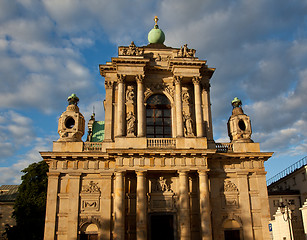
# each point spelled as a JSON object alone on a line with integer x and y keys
{"x": 167, "y": 112}
{"x": 167, "y": 121}
{"x": 150, "y": 121}
{"x": 158, "y": 113}
{"x": 158, "y": 99}
{"x": 150, "y": 130}
{"x": 167, "y": 130}
{"x": 149, "y": 112}
{"x": 159, "y": 130}
{"x": 159, "y": 121}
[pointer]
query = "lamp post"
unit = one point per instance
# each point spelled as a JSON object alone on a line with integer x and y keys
{"x": 287, "y": 211}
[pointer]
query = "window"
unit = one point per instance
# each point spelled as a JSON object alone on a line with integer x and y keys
{"x": 158, "y": 117}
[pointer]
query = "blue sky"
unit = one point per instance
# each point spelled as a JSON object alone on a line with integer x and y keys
{"x": 52, "y": 48}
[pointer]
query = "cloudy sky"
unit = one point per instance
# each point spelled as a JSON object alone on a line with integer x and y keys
{"x": 52, "y": 48}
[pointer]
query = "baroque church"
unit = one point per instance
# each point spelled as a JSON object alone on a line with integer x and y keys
{"x": 152, "y": 170}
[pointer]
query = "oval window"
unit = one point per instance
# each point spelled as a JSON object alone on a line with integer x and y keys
{"x": 69, "y": 123}
{"x": 242, "y": 125}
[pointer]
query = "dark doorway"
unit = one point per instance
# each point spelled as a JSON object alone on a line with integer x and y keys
{"x": 232, "y": 234}
{"x": 162, "y": 227}
{"x": 84, "y": 236}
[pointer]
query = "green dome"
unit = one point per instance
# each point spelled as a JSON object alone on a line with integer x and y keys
{"x": 156, "y": 35}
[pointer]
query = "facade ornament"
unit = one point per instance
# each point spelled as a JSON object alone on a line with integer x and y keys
{"x": 130, "y": 94}
{"x": 73, "y": 99}
{"x": 185, "y": 97}
{"x": 185, "y": 52}
{"x": 177, "y": 79}
{"x": 108, "y": 84}
{"x": 230, "y": 186}
{"x": 188, "y": 125}
{"x": 139, "y": 78}
{"x": 132, "y": 50}
{"x": 91, "y": 188}
{"x": 161, "y": 185}
{"x": 147, "y": 92}
{"x": 159, "y": 87}
{"x": 130, "y": 124}
{"x": 196, "y": 80}
{"x": 89, "y": 220}
{"x": 121, "y": 78}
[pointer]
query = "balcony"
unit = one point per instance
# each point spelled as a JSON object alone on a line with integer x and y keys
{"x": 161, "y": 143}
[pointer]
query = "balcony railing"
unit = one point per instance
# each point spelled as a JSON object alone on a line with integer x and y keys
{"x": 92, "y": 146}
{"x": 224, "y": 147}
{"x": 300, "y": 163}
{"x": 161, "y": 142}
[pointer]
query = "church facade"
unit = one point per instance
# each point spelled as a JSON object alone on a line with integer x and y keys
{"x": 152, "y": 169}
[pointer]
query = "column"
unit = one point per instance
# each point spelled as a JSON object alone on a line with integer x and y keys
{"x": 73, "y": 208}
{"x": 179, "y": 122}
{"x": 207, "y": 110}
{"x": 304, "y": 217}
{"x": 141, "y": 208}
{"x": 51, "y": 205}
{"x": 184, "y": 203}
{"x": 198, "y": 110}
{"x": 245, "y": 205}
{"x": 120, "y": 105}
{"x": 205, "y": 208}
{"x": 119, "y": 208}
{"x": 108, "y": 105}
{"x": 140, "y": 106}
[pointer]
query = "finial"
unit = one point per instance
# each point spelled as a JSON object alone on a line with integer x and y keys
{"x": 73, "y": 99}
{"x": 236, "y": 102}
{"x": 156, "y": 19}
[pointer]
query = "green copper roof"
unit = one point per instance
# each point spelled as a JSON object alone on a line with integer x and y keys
{"x": 156, "y": 35}
{"x": 98, "y": 131}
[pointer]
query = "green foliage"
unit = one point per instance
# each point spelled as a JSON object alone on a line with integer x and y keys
{"x": 30, "y": 205}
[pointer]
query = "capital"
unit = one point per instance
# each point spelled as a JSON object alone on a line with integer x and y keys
{"x": 139, "y": 78}
{"x": 196, "y": 80}
{"x": 121, "y": 78}
{"x": 108, "y": 84}
{"x": 177, "y": 79}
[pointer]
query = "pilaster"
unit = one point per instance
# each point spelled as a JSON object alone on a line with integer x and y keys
{"x": 140, "y": 106}
{"x": 119, "y": 208}
{"x": 205, "y": 208}
{"x": 73, "y": 209}
{"x": 141, "y": 207}
{"x": 108, "y": 111}
{"x": 178, "y": 90}
{"x": 184, "y": 205}
{"x": 120, "y": 105}
{"x": 198, "y": 109}
{"x": 51, "y": 205}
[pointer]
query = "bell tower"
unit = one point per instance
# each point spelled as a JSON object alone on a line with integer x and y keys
{"x": 71, "y": 123}
{"x": 239, "y": 124}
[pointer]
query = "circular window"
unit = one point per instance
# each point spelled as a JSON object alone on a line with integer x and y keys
{"x": 69, "y": 123}
{"x": 242, "y": 125}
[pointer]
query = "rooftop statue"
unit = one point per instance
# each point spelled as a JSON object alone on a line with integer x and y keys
{"x": 73, "y": 99}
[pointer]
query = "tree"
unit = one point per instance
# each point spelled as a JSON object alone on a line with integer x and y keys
{"x": 30, "y": 205}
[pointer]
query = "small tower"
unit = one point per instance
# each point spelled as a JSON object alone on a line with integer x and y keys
{"x": 71, "y": 123}
{"x": 239, "y": 124}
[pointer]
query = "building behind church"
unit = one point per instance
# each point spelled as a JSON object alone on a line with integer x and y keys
{"x": 152, "y": 170}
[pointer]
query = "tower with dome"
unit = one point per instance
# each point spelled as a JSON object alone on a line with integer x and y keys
{"x": 152, "y": 170}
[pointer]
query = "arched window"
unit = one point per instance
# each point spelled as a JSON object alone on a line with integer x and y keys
{"x": 89, "y": 232}
{"x": 158, "y": 117}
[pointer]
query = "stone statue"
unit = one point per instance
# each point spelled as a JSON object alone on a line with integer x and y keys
{"x": 73, "y": 99}
{"x": 130, "y": 123}
{"x": 186, "y": 52}
{"x": 188, "y": 125}
{"x": 129, "y": 94}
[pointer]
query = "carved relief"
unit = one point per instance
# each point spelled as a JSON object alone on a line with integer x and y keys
{"x": 121, "y": 78}
{"x": 188, "y": 125}
{"x": 139, "y": 78}
{"x": 91, "y": 188}
{"x": 230, "y": 187}
{"x": 161, "y": 185}
{"x": 108, "y": 84}
{"x": 159, "y": 87}
{"x": 130, "y": 124}
{"x": 90, "y": 219}
{"x": 186, "y": 52}
{"x": 132, "y": 50}
{"x": 130, "y": 94}
{"x": 185, "y": 97}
